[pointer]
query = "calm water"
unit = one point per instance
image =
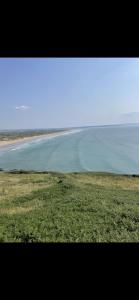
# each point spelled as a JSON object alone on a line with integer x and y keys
{"x": 112, "y": 149}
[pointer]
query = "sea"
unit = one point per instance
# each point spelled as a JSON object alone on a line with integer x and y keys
{"x": 113, "y": 149}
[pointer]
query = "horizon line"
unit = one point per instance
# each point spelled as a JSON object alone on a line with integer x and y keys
{"x": 50, "y": 128}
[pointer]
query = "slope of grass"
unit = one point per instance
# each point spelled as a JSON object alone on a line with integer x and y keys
{"x": 77, "y": 207}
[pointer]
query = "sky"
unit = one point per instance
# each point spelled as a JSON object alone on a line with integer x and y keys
{"x": 68, "y": 92}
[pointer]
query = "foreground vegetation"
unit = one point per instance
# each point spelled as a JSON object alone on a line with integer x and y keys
{"x": 77, "y": 207}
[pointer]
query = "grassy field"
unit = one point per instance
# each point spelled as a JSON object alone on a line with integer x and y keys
{"x": 82, "y": 207}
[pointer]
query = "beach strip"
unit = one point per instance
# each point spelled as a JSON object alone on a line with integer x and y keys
{"x": 4, "y": 144}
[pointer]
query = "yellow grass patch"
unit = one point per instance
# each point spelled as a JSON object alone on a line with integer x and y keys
{"x": 31, "y": 205}
{"x": 127, "y": 183}
{"x": 15, "y": 185}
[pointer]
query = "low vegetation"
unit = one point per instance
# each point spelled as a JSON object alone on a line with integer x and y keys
{"x": 76, "y": 207}
{"x": 18, "y": 134}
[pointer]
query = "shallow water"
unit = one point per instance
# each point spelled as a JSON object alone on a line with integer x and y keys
{"x": 111, "y": 149}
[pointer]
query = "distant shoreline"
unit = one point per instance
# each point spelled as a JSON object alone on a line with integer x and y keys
{"x": 97, "y": 173}
{"x": 4, "y": 144}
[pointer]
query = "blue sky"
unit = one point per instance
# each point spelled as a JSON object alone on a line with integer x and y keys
{"x": 63, "y": 92}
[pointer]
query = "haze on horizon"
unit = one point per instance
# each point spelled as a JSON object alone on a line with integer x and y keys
{"x": 68, "y": 92}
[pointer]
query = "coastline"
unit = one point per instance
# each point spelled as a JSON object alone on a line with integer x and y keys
{"x": 4, "y": 144}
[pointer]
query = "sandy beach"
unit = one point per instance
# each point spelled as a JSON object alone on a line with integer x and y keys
{"x": 3, "y": 144}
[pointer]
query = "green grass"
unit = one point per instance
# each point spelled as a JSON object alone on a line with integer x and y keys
{"x": 76, "y": 207}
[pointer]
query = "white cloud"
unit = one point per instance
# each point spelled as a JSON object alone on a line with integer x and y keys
{"x": 22, "y": 107}
{"x": 130, "y": 117}
{"x": 132, "y": 114}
